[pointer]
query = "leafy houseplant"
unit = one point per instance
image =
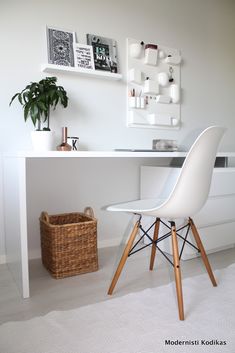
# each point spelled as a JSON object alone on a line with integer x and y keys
{"x": 38, "y": 98}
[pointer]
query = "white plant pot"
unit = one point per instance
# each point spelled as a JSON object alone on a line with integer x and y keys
{"x": 42, "y": 140}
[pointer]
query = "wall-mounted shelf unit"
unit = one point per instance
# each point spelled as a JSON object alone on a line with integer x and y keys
{"x": 51, "y": 68}
{"x": 153, "y": 86}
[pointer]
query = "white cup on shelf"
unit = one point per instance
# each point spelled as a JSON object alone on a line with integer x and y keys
{"x": 132, "y": 102}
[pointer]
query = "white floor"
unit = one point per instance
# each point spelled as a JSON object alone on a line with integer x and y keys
{"x": 48, "y": 294}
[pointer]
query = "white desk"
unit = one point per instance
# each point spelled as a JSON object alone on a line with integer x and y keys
{"x": 15, "y": 200}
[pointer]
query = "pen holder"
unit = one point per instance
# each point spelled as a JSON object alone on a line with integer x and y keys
{"x": 142, "y": 102}
{"x": 137, "y": 102}
{"x": 132, "y": 102}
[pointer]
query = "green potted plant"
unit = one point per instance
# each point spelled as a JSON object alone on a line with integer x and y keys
{"x": 37, "y": 99}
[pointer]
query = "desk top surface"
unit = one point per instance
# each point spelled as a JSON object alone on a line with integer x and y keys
{"x": 104, "y": 154}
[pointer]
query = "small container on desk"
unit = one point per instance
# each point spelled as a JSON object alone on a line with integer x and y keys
{"x": 64, "y": 146}
{"x": 73, "y": 142}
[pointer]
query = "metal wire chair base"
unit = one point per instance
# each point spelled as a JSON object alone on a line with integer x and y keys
{"x": 163, "y": 237}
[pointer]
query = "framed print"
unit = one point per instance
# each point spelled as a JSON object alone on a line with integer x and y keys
{"x": 83, "y": 56}
{"x": 60, "y": 46}
{"x": 105, "y": 52}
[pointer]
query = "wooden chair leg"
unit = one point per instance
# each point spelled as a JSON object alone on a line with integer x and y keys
{"x": 124, "y": 258}
{"x": 202, "y": 251}
{"x": 177, "y": 271}
{"x": 155, "y": 237}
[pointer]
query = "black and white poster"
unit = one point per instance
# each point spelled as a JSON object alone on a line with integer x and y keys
{"x": 104, "y": 51}
{"x": 83, "y": 56}
{"x": 60, "y": 47}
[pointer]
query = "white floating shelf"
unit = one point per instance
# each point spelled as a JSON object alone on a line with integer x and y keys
{"x": 153, "y": 126}
{"x": 51, "y": 68}
{"x": 138, "y": 118}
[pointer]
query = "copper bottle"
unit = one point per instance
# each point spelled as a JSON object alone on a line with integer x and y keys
{"x": 64, "y": 146}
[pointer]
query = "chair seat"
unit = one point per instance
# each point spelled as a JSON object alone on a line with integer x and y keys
{"x": 151, "y": 207}
{"x": 138, "y": 206}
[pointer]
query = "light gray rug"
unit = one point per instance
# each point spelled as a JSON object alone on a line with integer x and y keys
{"x": 143, "y": 322}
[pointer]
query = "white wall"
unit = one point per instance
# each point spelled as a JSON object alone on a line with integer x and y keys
{"x": 203, "y": 30}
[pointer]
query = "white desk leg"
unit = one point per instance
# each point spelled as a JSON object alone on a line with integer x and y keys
{"x": 23, "y": 227}
{"x": 16, "y": 221}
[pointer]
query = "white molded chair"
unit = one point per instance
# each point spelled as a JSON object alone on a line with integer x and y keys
{"x": 187, "y": 197}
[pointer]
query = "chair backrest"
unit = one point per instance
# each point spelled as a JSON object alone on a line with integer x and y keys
{"x": 193, "y": 185}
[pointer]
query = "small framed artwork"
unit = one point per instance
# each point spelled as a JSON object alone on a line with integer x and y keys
{"x": 60, "y": 46}
{"x": 104, "y": 51}
{"x": 83, "y": 56}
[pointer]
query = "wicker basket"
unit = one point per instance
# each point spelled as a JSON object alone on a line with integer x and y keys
{"x": 69, "y": 243}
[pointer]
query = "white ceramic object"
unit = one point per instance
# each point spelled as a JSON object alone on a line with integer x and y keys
{"x": 132, "y": 102}
{"x": 42, "y": 140}
{"x": 163, "y": 79}
{"x": 136, "y": 50}
{"x": 173, "y": 59}
{"x": 138, "y": 102}
{"x": 142, "y": 102}
{"x": 175, "y": 93}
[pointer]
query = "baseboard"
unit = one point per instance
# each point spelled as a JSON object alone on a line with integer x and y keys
{"x": 186, "y": 257}
{"x": 106, "y": 243}
{"x": 34, "y": 254}
{"x": 3, "y": 259}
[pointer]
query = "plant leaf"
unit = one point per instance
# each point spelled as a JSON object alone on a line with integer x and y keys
{"x": 15, "y": 95}
{"x": 20, "y": 99}
{"x": 42, "y": 106}
{"x": 26, "y": 111}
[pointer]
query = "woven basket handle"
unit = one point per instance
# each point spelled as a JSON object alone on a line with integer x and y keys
{"x": 45, "y": 217}
{"x": 89, "y": 211}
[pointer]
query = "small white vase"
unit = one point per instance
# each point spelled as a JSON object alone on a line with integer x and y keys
{"x": 42, "y": 140}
